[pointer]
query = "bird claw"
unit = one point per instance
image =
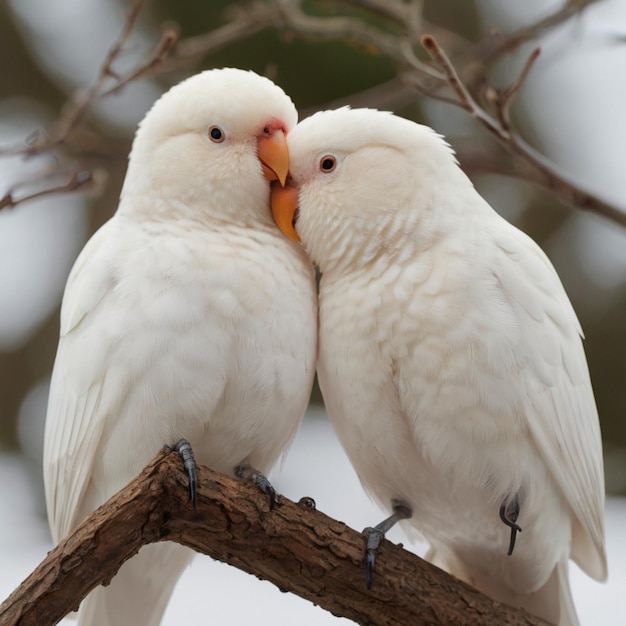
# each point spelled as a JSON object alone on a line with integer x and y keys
{"x": 373, "y": 538}
{"x": 266, "y": 487}
{"x": 185, "y": 452}
{"x": 509, "y": 512}
{"x": 374, "y": 535}
{"x": 246, "y": 472}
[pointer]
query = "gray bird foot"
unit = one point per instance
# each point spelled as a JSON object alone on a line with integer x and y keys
{"x": 374, "y": 535}
{"x": 509, "y": 512}
{"x": 245, "y": 471}
{"x": 185, "y": 452}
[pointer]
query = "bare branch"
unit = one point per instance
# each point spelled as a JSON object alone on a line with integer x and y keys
{"x": 244, "y": 22}
{"x": 349, "y": 29}
{"x": 443, "y": 63}
{"x": 288, "y": 17}
{"x": 398, "y": 11}
{"x": 151, "y": 65}
{"x": 507, "y": 96}
{"x": 491, "y": 50}
{"x": 116, "y": 48}
{"x": 466, "y": 77}
{"x": 536, "y": 167}
{"x": 389, "y": 96}
{"x": 75, "y": 108}
{"x": 293, "y": 546}
{"x": 78, "y": 180}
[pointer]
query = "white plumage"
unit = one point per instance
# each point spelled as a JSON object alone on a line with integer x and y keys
{"x": 450, "y": 358}
{"x": 187, "y": 315}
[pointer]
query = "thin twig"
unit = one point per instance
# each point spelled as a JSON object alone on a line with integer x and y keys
{"x": 116, "y": 48}
{"x": 350, "y": 29}
{"x": 244, "y": 22}
{"x": 389, "y": 96}
{"x": 417, "y": 77}
{"x": 450, "y": 74}
{"x": 415, "y": 63}
{"x": 538, "y": 168}
{"x": 288, "y": 17}
{"x": 494, "y": 48}
{"x": 396, "y": 11}
{"x": 75, "y": 108}
{"x": 159, "y": 53}
{"x": 77, "y": 180}
{"x": 508, "y": 95}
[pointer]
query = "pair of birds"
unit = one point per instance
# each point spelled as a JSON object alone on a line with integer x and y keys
{"x": 449, "y": 356}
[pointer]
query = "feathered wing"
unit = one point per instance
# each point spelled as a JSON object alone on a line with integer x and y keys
{"x": 561, "y": 415}
{"x": 77, "y": 413}
{"x": 73, "y": 422}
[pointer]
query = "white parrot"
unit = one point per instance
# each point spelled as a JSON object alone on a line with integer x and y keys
{"x": 450, "y": 359}
{"x": 187, "y": 315}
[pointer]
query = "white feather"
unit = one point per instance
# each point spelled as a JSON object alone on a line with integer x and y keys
{"x": 187, "y": 315}
{"x": 450, "y": 359}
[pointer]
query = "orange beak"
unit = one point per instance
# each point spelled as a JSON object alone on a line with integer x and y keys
{"x": 274, "y": 156}
{"x": 284, "y": 203}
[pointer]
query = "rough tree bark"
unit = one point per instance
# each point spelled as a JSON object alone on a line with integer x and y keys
{"x": 294, "y": 546}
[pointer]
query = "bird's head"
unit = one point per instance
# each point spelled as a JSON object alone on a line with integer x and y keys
{"x": 208, "y": 147}
{"x": 363, "y": 182}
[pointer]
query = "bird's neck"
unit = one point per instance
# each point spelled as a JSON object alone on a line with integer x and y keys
{"x": 391, "y": 237}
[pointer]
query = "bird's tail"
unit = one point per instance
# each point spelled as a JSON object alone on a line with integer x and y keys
{"x": 140, "y": 591}
{"x": 542, "y": 602}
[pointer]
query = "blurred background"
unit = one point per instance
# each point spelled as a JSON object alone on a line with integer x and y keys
{"x": 570, "y": 109}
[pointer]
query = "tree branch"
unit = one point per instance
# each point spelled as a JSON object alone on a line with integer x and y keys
{"x": 498, "y": 46}
{"x": 398, "y": 26}
{"x": 76, "y": 107}
{"x": 530, "y": 165}
{"x": 56, "y": 139}
{"x": 78, "y": 180}
{"x": 295, "y": 547}
{"x": 533, "y": 166}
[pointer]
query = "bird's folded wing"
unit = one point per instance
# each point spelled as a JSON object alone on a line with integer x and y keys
{"x": 74, "y": 423}
{"x": 561, "y": 411}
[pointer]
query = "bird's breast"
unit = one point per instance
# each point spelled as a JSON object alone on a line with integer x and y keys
{"x": 211, "y": 338}
{"x": 413, "y": 350}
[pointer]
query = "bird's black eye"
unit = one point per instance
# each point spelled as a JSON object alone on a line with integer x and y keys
{"x": 328, "y": 163}
{"x": 216, "y": 134}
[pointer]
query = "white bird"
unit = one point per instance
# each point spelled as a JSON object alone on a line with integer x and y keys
{"x": 187, "y": 315}
{"x": 450, "y": 359}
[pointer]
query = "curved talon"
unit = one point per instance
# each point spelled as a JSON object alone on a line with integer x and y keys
{"x": 307, "y": 502}
{"x": 185, "y": 451}
{"x": 509, "y": 513}
{"x": 266, "y": 487}
{"x": 401, "y": 510}
{"x": 374, "y": 536}
{"x": 245, "y": 471}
